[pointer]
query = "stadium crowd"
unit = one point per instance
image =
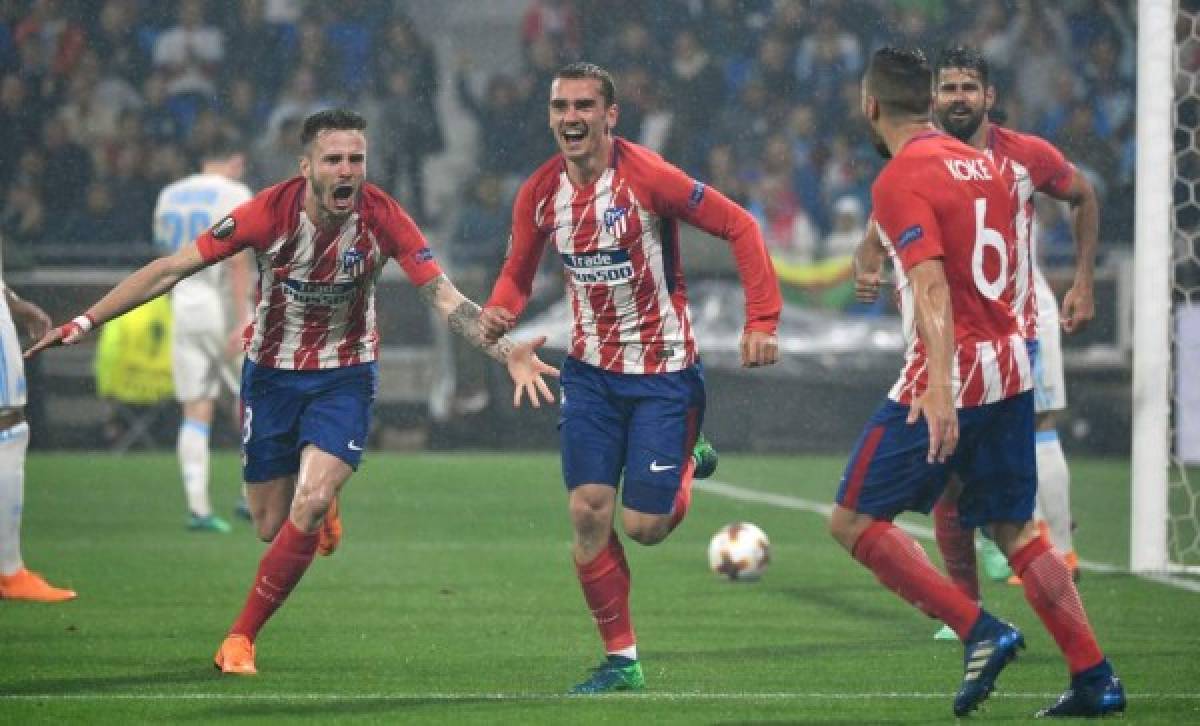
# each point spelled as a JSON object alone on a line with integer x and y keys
{"x": 103, "y": 102}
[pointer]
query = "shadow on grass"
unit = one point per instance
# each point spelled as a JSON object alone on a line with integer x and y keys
{"x": 123, "y": 683}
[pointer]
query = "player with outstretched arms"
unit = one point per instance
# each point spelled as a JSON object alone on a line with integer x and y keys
{"x": 944, "y": 214}
{"x": 320, "y": 241}
{"x": 210, "y": 309}
{"x": 632, "y": 385}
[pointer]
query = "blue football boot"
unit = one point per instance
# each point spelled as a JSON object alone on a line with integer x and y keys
{"x": 1093, "y": 693}
{"x": 989, "y": 647}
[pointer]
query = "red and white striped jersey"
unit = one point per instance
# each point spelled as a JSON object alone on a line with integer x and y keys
{"x": 315, "y": 303}
{"x": 939, "y": 198}
{"x": 1029, "y": 164}
{"x": 619, "y": 243}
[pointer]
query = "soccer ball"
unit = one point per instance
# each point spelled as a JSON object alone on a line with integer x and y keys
{"x": 739, "y": 552}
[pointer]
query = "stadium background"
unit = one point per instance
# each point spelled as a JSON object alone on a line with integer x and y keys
{"x": 102, "y": 103}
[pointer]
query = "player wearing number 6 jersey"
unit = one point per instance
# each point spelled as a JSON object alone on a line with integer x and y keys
{"x": 944, "y": 214}
{"x": 209, "y": 310}
{"x": 320, "y": 241}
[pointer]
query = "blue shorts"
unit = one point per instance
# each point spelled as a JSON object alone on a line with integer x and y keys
{"x": 887, "y": 473}
{"x": 644, "y": 425}
{"x": 284, "y": 410}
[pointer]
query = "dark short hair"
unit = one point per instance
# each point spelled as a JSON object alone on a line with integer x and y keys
{"x": 579, "y": 70}
{"x": 900, "y": 79}
{"x": 331, "y": 119}
{"x": 969, "y": 59}
{"x": 221, "y": 147}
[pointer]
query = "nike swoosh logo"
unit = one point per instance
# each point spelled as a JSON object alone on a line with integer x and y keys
{"x": 353, "y": 446}
{"x": 654, "y": 466}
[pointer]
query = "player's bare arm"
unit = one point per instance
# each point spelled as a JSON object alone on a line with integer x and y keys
{"x": 463, "y": 318}
{"x": 935, "y": 326}
{"x": 144, "y": 285}
{"x": 868, "y": 265}
{"x": 1079, "y": 305}
{"x": 35, "y": 320}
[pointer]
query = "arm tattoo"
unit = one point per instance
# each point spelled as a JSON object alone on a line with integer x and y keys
{"x": 464, "y": 321}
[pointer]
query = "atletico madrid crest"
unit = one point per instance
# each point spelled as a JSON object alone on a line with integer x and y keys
{"x": 354, "y": 262}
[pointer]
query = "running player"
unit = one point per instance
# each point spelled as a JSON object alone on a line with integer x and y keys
{"x": 320, "y": 241}
{"x": 207, "y": 329}
{"x": 17, "y": 582}
{"x": 944, "y": 214}
{"x": 632, "y": 385}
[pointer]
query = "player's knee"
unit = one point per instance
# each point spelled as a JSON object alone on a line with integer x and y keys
{"x": 647, "y": 533}
{"x": 266, "y": 531}
{"x": 590, "y": 513}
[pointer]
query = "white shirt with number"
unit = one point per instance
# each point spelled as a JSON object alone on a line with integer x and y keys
{"x": 185, "y": 210}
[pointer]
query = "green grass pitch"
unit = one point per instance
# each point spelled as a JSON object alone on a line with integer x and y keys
{"x": 452, "y": 600}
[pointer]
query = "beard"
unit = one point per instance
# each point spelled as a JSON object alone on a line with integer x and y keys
{"x": 878, "y": 143}
{"x": 960, "y": 128}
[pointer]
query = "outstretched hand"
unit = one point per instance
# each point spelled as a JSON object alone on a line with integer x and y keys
{"x": 526, "y": 371}
{"x": 65, "y": 334}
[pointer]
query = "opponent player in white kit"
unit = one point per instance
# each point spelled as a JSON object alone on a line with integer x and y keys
{"x": 17, "y": 582}
{"x": 210, "y": 310}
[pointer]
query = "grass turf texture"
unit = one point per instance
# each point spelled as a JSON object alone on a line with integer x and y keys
{"x": 453, "y": 600}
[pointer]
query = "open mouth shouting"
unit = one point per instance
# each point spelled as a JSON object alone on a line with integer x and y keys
{"x": 573, "y": 136}
{"x": 343, "y": 197}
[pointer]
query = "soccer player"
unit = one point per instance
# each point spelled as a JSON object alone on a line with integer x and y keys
{"x": 207, "y": 330}
{"x": 632, "y": 385}
{"x": 963, "y": 97}
{"x": 17, "y": 582}
{"x": 944, "y": 214}
{"x": 320, "y": 241}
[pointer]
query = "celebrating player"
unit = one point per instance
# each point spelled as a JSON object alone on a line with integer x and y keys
{"x": 309, "y": 378}
{"x": 17, "y": 582}
{"x": 206, "y": 329}
{"x": 632, "y": 385}
{"x": 945, "y": 215}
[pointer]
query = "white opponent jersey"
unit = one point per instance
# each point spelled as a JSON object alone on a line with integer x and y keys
{"x": 185, "y": 210}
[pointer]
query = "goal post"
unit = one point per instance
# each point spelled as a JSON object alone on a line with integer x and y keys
{"x": 1152, "y": 354}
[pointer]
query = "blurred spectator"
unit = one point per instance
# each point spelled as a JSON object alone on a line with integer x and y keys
{"x": 158, "y": 121}
{"x": 19, "y": 127}
{"x": 631, "y": 47}
{"x": 312, "y": 53}
{"x": 97, "y": 222}
{"x": 413, "y": 133}
{"x": 483, "y": 226}
{"x": 115, "y": 39}
{"x": 243, "y": 108}
{"x": 695, "y": 87}
{"x": 502, "y": 120}
{"x": 402, "y": 48}
{"x": 68, "y": 173}
{"x": 848, "y": 229}
{"x": 552, "y": 20}
{"x": 254, "y": 49}
{"x": 298, "y": 100}
{"x": 787, "y": 229}
{"x": 723, "y": 174}
{"x": 23, "y": 218}
{"x": 276, "y": 153}
{"x": 60, "y": 40}
{"x": 190, "y": 52}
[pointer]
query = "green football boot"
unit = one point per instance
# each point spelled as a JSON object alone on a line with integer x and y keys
{"x": 995, "y": 564}
{"x": 705, "y": 457}
{"x": 614, "y": 674}
{"x": 210, "y": 523}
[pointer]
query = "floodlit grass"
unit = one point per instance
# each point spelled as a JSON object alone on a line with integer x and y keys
{"x": 453, "y": 600}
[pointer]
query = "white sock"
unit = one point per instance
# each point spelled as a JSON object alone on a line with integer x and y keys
{"x": 192, "y": 447}
{"x": 13, "y": 443}
{"x": 630, "y": 652}
{"x": 1054, "y": 489}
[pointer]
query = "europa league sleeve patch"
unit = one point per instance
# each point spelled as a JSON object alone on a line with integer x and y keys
{"x": 224, "y": 228}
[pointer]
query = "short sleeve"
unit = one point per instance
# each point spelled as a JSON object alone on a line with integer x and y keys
{"x": 403, "y": 241}
{"x": 906, "y": 220}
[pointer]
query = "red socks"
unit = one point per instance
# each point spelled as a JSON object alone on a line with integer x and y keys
{"x": 902, "y": 567}
{"x": 1051, "y": 591}
{"x": 605, "y": 582}
{"x": 957, "y": 546}
{"x": 281, "y": 567}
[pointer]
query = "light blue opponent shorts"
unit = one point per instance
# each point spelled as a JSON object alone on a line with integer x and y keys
{"x": 887, "y": 473}
{"x": 283, "y": 410}
{"x": 642, "y": 425}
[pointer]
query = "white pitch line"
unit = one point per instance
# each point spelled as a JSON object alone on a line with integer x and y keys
{"x": 784, "y": 501}
{"x": 542, "y": 697}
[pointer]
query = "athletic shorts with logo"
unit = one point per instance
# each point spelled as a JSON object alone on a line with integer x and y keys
{"x": 641, "y": 425}
{"x": 888, "y": 473}
{"x": 285, "y": 410}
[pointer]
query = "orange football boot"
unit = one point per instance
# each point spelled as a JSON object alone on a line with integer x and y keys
{"x": 27, "y": 585}
{"x": 236, "y": 656}
{"x": 329, "y": 536}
